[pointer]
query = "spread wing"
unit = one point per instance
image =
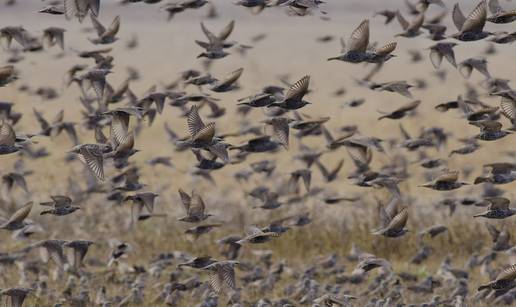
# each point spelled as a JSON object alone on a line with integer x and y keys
{"x": 458, "y": 17}
{"x": 298, "y": 89}
{"x": 205, "y": 134}
{"x": 7, "y": 134}
{"x": 20, "y": 214}
{"x": 224, "y": 34}
{"x": 232, "y": 77}
{"x": 399, "y": 221}
{"x": 476, "y": 19}
{"x": 113, "y": 28}
{"x": 359, "y": 39}
{"x": 98, "y": 26}
{"x": 508, "y": 107}
{"x": 194, "y": 121}
{"x": 94, "y": 161}
{"x": 185, "y": 199}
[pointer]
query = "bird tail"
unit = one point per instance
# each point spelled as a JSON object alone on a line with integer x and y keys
{"x": 45, "y": 212}
{"x": 274, "y": 104}
{"x": 333, "y": 58}
{"x": 484, "y": 287}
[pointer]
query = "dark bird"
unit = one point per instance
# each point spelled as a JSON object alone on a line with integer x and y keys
{"x": 401, "y": 111}
{"x": 17, "y": 219}
{"x": 490, "y": 130}
{"x": 446, "y": 181}
{"x": 396, "y": 226}
{"x": 498, "y": 208}
{"x": 194, "y": 207}
{"x": 472, "y": 27}
{"x": 499, "y": 15}
{"x": 214, "y": 48}
{"x": 293, "y": 100}
{"x": 504, "y": 280}
{"x": 62, "y": 205}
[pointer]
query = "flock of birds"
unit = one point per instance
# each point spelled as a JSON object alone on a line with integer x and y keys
{"x": 232, "y": 278}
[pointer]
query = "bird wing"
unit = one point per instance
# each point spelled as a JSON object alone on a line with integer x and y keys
{"x": 194, "y": 121}
{"x": 216, "y": 280}
{"x": 399, "y": 221}
{"x": 224, "y": 33}
{"x": 416, "y": 23}
{"x": 298, "y": 89}
{"x": 113, "y": 28}
{"x": 493, "y": 232}
{"x": 211, "y": 37}
{"x": 232, "y": 77}
{"x": 219, "y": 150}
{"x": 458, "y": 17}
{"x": 196, "y": 205}
{"x": 436, "y": 58}
{"x": 508, "y": 107}
{"x": 94, "y": 6}
{"x": 498, "y": 203}
{"x": 61, "y": 200}
{"x": 41, "y": 120}
{"x": 119, "y": 128}
{"x": 360, "y": 155}
{"x": 20, "y": 214}
{"x": 508, "y": 274}
{"x": 6, "y": 71}
{"x": 386, "y": 49}
{"x": 148, "y": 200}
{"x": 281, "y": 130}
{"x": 186, "y": 200}
{"x": 488, "y": 125}
{"x": 97, "y": 26}
{"x": 359, "y": 39}
{"x": 227, "y": 274}
{"x": 403, "y": 22}
{"x": 476, "y": 19}
{"x": 7, "y": 134}
{"x": 449, "y": 176}
{"x": 205, "y": 134}
{"x": 94, "y": 161}
{"x": 410, "y": 106}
